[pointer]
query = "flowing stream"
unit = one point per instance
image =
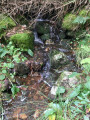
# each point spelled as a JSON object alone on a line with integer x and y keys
{"x": 35, "y": 87}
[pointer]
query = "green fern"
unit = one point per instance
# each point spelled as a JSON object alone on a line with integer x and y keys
{"x": 81, "y": 20}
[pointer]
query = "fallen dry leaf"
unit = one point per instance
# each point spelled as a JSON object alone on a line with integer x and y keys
{"x": 23, "y": 116}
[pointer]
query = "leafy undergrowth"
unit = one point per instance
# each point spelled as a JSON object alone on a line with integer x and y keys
{"x": 9, "y": 55}
{"x": 75, "y": 107}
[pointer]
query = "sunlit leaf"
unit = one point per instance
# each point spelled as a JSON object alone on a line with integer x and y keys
{"x": 2, "y": 77}
{"x": 60, "y": 89}
{"x": 48, "y": 112}
{"x": 52, "y": 117}
{"x": 86, "y": 60}
{"x": 30, "y": 52}
{"x": 74, "y": 74}
{"x": 75, "y": 92}
{"x": 55, "y": 106}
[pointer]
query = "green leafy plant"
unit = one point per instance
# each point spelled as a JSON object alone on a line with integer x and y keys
{"x": 10, "y": 55}
{"x": 14, "y": 90}
{"x": 81, "y": 20}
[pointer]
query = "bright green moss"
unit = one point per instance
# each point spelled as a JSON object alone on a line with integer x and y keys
{"x": 5, "y": 23}
{"x": 68, "y": 22}
{"x": 84, "y": 13}
{"x": 23, "y": 40}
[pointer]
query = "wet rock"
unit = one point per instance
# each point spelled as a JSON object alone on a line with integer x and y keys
{"x": 65, "y": 81}
{"x": 49, "y": 41}
{"x": 57, "y": 59}
{"x": 65, "y": 43}
{"x": 38, "y": 60}
{"x": 21, "y": 69}
{"x": 61, "y": 34}
{"x": 42, "y": 28}
{"x": 45, "y": 37}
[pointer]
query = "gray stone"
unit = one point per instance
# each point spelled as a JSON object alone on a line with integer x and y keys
{"x": 65, "y": 81}
{"x": 57, "y": 59}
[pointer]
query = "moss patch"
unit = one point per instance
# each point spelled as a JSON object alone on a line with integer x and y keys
{"x": 23, "y": 40}
{"x": 68, "y": 22}
{"x": 84, "y": 13}
{"x": 5, "y": 23}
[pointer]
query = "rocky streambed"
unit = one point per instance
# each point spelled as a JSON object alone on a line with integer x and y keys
{"x": 39, "y": 76}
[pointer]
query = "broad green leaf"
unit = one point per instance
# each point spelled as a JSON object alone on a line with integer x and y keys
{"x": 85, "y": 61}
{"x": 2, "y": 77}
{"x": 81, "y": 20}
{"x": 30, "y": 52}
{"x": 87, "y": 85}
{"x": 16, "y": 59}
{"x": 14, "y": 90}
{"x": 75, "y": 92}
{"x": 74, "y": 74}
{"x": 48, "y": 112}
{"x": 3, "y": 53}
{"x": 4, "y": 71}
{"x": 80, "y": 98}
{"x": 55, "y": 106}
{"x": 10, "y": 65}
{"x": 60, "y": 89}
{"x": 52, "y": 117}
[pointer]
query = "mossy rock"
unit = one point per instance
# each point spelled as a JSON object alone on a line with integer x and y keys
{"x": 23, "y": 40}
{"x": 67, "y": 22}
{"x": 5, "y": 23}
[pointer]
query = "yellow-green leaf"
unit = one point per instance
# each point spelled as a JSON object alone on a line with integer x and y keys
{"x": 52, "y": 117}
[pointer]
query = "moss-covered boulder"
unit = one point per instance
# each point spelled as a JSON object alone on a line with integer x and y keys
{"x": 57, "y": 59}
{"x": 23, "y": 40}
{"x": 67, "y": 22}
{"x": 5, "y": 23}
